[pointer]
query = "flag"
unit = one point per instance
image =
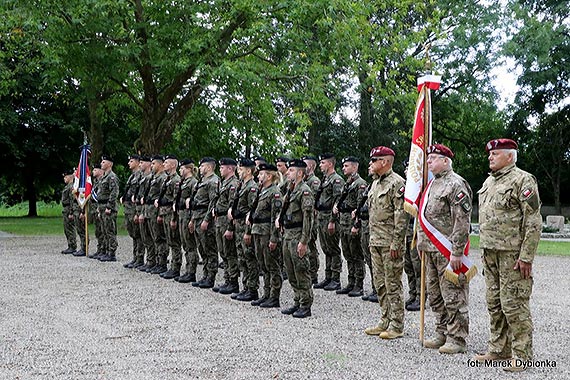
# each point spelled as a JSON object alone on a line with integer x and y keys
{"x": 82, "y": 182}
{"x": 421, "y": 139}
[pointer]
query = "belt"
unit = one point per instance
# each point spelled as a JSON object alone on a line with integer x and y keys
{"x": 200, "y": 207}
{"x": 323, "y": 208}
{"x": 261, "y": 220}
{"x": 288, "y": 226}
{"x": 99, "y": 200}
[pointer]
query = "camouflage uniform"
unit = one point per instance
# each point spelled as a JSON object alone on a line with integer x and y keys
{"x": 247, "y": 261}
{"x": 144, "y": 227}
{"x": 188, "y": 240}
{"x": 387, "y": 224}
{"x": 361, "y": 223}
{"x": 327, "y": 196}
{"x": 156, "y": 230}
{"x": 412, "y": 265}
{"x": 107, "y": 195}
{"x": 94, "y": 216}
{"x": 314, "y": 183}
{"x": 80, "y": 224}
{"x": 264, "y": 231}
{"x": 351, "y": 246}
{"x": 130, "y": 211}
{"x": 227, "y": 248}
{"x": 69, "y": 225}
{"x": 203, "y": 205}
{"x": 510, "y": 227}
{"x": 297, "y": 223}
{"x": 448, "y": 209}
{"x": 166, "y": 211}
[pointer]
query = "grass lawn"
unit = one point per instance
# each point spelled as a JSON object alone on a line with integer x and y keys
{"x": 545, "y": 247}
{"x": 45, "y": 226}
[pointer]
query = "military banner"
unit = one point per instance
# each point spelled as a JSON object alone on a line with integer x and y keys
{"x": 82, "y": 182}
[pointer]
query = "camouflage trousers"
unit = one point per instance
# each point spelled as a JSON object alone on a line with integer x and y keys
{"x": 148, "y": 241}
{"x": 448, "y": 301}
{"x": 70, "y": 230}
{"x": 81, "y": 232}
{"x": 352, "y": 252}
{"x": 297, "y": 269}
{"x": 109, "y": 231}
{"x": 173, "y": 242}
{"x": 364, "y": 241}
{"x": 207, "y": 245}
{"x": 388, "y": 284}
{"x": 159, "y": 238}
{"x": 331, "y": 248}
{"x": 135, "y": 234}
{"x": 269, "y": 263}
{"x": 188, "y": 241}
{"x": 98, "y": 233}
{"x": 508, "y": 296}
{"x": 413, "y": 269}
{"x": 247, "y": 260}
{"x": 227, "y": 249}
{"x": 313, "y": 252}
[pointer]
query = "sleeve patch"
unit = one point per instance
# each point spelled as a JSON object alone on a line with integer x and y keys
{"x": 460, "y": 196}
{"x": 232, "y": 188}
{"x": 527, "y": 193}
{"x": 278, "y": 203}
{"x": 306, "y": 192}
{"x": 363, "y": 186}
{"x": 277, "y": 195}
{"x": 337, "y": 181}
{"x": 402, "y": 190}
{"x": 253, "y": 190}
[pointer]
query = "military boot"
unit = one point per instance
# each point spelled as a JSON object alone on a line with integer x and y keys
{"x": 219, "y": 286}
{"x": 347, "y": 289}
{"x": 375, "y": 330}
{"x": 414, "y": 306}
{"x": 322, "y": 284}
{"x": 249, "y": 295}
{"x": 271, "y": 302}
{"x": 332, "y": 285}
{"x": 492, "y": 356}
{"x": 68, "y": 251}
{"x": 79, "y": 253}
{"x": 373, "y": 297}
{"x": 435, "y": 342}
{"x": 452, "y": 348}
{"x": 231, "y": 288}
{"x": 303, "y": 312}
{"x": 207, "y": 283}
{"x": 130, "y": 264}
{"x": 357, "y": 291}
{"x": 391, "y": 334}
{"x": 258, "y": 301}
{"x": 170, "y": 274}
{"x": 108, "y": 258}
{"x": 290, "y": 310}
{"x": 515, "y": 365}
{"x": 186, "y": 278}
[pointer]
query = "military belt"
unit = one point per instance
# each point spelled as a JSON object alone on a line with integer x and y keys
{"x": 288, "y": 226}
{"x": 261, "y": 220}
{"x": 323, "y": 208}
{"x": 200, "y": 207}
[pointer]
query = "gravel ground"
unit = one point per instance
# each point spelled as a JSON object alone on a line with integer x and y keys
{"x": 63, "y": 317}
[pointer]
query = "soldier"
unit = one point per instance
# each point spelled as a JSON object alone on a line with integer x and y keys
{"x": 169, "y": 218}
{"x": 259, "y": 160}
{"x": 94, "y": 213}
{"x": 510, "y": 227}
{"x": 327, "y": 195}
{"x": 262, "y": 218}
{"x": 412, "y": 268}
{"x": 296, "y": 218}
{"x": 69, "y": 223}
{"x": 224, "y": 229}
{"x": 107, "y": 195}
{"x": 129, "y": 206}
{"x": 242, "y": 205}
{"x": 152, "y": 218}
{"x": 445, "y": 218}
{"x": 314, "y": 183}
{"x": 184, "y": 196}
{"x": 350, "y": 239}
{"x": 143, "y": 220}
{"x": 387, "y": 224}
{"x": 203, "y": 204}
{"x": 281, "y": 164}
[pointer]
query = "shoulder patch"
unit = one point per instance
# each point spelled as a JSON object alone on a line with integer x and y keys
{"x": 363, "y": 186}
{"x": 401, "y": 190}
{"x": 460, "y": 196}
{"x": 527, "y": 193}
{"x": 316, "y": 182}
{"x": 253, "y": 190}
{"x": 337, "y": 181}
{"x": 277, "y": 195}
{"x": 305, "y": 192}
{"x": 232, "y": 188}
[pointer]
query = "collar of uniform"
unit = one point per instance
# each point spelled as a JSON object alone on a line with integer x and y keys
{"x": 386, "y": 174}
{"x": 501, "y": 172}
{"x": 442, "y": 173}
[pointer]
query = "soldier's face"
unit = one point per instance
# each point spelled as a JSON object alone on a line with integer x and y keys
{"x": 133, "y": 164}
{"x": 282, "y": 167}
{"x": 292, "y": 174}
{"x": 105, "y": 165}
{"x": 377, "y": 165}
{"x": 263, "y": 177}
{"x": 145, "y": 165}
{"x": 156, "y": 166}
{"x": 325, "y": 165}
{"x": 348, "y": 168}
{"x": 436, "y": 163}
{"x": 498, "y": 159}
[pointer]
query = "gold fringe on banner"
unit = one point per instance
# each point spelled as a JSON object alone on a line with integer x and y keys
{"x": 454, "y": 277}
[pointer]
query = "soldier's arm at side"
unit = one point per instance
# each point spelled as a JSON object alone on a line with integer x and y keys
{"x": 400, "y": 221}
{"x": 529, "y": 201}
{"x": 461, "y": 206}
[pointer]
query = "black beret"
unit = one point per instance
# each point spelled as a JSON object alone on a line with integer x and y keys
{"x": 350, "y": 159}
{"x": 171, "y": 157}
{"x": 326, "y": 156}
{"x": 97, "y": 166}
{"x": 296, "y": 163}
{"x": 68, "y": 172}
{"x": 186, "y": 161}
{"x": 227, "y": 161}
{"x": 268, "y": 167}
{"x": 106, "y": 157}
{"x": 145, "y": 158}
{"x": 259, "y": 158}
{"x": 158, "y": 157}
{"x": 207, "y": 160}
{"x": 134, "y": 157}
{"x": 282, "y": 159}
{"x": 309, "y": 158}
{"x": 246, "y": 162}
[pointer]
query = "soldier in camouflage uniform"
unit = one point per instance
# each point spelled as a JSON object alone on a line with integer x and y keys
{"x": 412, "y": 268}
{"x": 243, "y": 203}
{"x": 69, "y": 223}
{"x": 447, "y": 205}
{"x": 107, "y": 196}
{"x": 94, "y": 213}
{"x": 329, "y": 237}
{"x": 184, "y": 197}
{"x": 224, "y": 230}
{"x": 202, "y": 221}
{"x": 314, "y": 183}
{"x": 296, "y": 218}
{"x": 266, "y": 237}
{"x": 510, "y": 227}
{"x": 170, "y": 219}
{"x": 350, "y": 239}
{"x": 387, "y": 224}
{"x": 151, "y": 217}
{"x": 143, "y": 220}
{"x": 129, "y": 206}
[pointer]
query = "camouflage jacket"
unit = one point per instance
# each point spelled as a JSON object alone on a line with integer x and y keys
{"x": 330, "y": 190}
{"x": 205, "y": 197}
{"x": 244, "y": 201}
{"x": 313, "y": 182}
{"x": 142, "y": 189}
{"x": 448, "y": 209}
{"x": 348, "y": 201}
{"x": 387, "y": 219}
{"x": 67, "y": 199}
{"x": 108, "y": 191}
{"x": 226, "y": 198}
{"x": 185, "y": 191}
{"x": 509, "y": 212}
{"x": 154, "y": 188}
{"x": 298, "y": 217}
{"x": 269, "y": 203}
{"x": 131, "y": 188}
{"x": 168, "y": 194}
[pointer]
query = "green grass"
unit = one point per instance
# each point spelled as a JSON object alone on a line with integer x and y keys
{"x": 45, "y": 226}
{"x": 545, "y": 247}
{"x": 21, "y": 209}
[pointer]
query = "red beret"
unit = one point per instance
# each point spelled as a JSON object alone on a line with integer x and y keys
{"x": 380, "y": 151}
{"x": 501, "y": 144}
{"x": 440, "y": 149}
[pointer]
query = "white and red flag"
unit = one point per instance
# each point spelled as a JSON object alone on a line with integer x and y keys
{"x": 82, "y": 181}
{"x": 421, "y": 139}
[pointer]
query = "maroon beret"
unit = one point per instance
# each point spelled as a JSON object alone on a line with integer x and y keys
{"x": 380, "y": 151}
{"x": 501, "y": 144}
{"x": 440, "y": 149}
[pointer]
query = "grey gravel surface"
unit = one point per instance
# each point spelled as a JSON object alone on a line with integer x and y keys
{"x": 63, "y": 317}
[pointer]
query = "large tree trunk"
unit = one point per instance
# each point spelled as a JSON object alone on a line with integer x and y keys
{"x": 31, "y": 195}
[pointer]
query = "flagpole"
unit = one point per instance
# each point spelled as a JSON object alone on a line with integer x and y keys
{"x": 86, "y": 214}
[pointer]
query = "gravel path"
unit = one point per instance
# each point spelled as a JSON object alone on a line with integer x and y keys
{"x": 63, "y": 317}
